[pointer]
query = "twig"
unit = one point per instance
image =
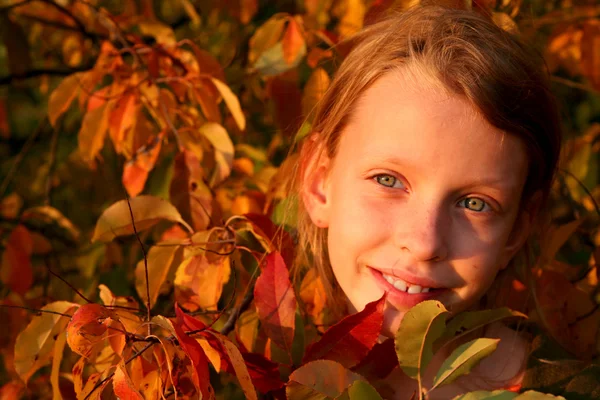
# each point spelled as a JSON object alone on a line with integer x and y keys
{"x": 585, "y": 189}
{"x": 7, "y": 80}
{"x": 586, "y": 315}
{"x": 148, "y": 315}
{"x": 72, "y": 17}
{"x": 130, "y": 359}
{"x": 230, "y": 324}
{"x": 53, "y": 147}
{"x": 66, "y": 283}
{"x": 35, "y": 310}
{"x": 575, "y": 85}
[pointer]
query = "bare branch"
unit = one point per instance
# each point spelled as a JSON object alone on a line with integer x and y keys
{"x": 65, "y": 282}
{"x": 9, "y": 79}
{"x": 35, "y": 310}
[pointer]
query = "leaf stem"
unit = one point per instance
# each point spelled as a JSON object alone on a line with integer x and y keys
{"x": 65, "y": 282}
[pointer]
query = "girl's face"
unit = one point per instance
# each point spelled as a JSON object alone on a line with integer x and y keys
{"x": 421, "y": 201}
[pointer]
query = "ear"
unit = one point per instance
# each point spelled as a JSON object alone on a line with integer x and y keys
{"x": 315, "y": 166}
{"x": 522, "y": 228}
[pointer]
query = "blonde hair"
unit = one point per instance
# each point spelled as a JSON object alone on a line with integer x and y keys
{"x": 466, "y": 54}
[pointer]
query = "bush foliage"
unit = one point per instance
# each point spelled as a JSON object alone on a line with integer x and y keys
{"x": 144, "y": 148}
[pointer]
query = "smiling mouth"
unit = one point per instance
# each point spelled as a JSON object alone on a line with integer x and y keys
{"x": 404, "y": 286}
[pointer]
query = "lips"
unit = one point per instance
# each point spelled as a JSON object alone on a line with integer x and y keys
{"x": 400, "y": 294}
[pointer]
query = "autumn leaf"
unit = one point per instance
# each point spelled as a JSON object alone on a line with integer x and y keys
{"x": 380, "y": 361}
{"x": 223, "y": 147}
{"x": 122, "y": 119}
{"x": 147, "y": 211}
{"x": 293, "y": 41}
{"x": 360, "y": 390}
{"x": 162, "y": 262}
{"x": 62, "y": 97}
{"x": 275, "y": 301}
{"x": 49, "y": 219}
{"x": 123, "y": 386}
{"x": 266, "y": 36}
{"x": 135, "y": 172}
{"x": 351, "y": 339}
{"x": 93, "y": 327}
{"x": 189, "y": 192}
{"x": 232, "y": 103}
{"x": 421, "y": 326}
{"x": 93, "y": 131}
{"x": 35, "y": 345}
{"x": 16, "y": 271}
{"x": 199, "y": 282}
{"x": 314, "y": 90}
{"x": 463, "y": 359}
{"x": 321, "y": 379}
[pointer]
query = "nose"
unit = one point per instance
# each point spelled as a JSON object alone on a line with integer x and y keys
{"x": 423, "y": 232}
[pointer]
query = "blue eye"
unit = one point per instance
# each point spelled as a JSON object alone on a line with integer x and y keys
{"x": 389, "y": 181}
{"x": 474, "y": 204}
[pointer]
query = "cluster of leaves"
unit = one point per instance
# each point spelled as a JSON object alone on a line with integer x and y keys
{"x": 139, "y": 171}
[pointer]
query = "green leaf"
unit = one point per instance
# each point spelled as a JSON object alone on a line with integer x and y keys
{"x": 533, "y": 395}
{"x": 467, "y": 322}
{"x": 421, "y": 326}
{"x": 320, "y": 380}
{"x": 484, "y": 395}
{"x": 360, "y": 390}
{"x": 463, "y": 359}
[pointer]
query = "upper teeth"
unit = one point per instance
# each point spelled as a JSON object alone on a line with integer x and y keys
{"x": 403, "y": 286}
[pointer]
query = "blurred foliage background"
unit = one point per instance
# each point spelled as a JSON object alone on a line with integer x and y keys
{"x": 199, "y": 102}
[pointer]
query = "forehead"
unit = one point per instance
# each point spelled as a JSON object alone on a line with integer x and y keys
{"x": 401, "y": 118}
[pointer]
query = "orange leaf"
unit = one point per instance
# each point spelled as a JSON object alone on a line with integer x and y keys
{"x": 293, "y": 41}
{"x": 93, "y": 131}
{"x": 121, "y": 119}
{"x": 275, "y": 301}
{"x": 320, "y": 379}
{"x": 312, "y": 293}
{"x": 62, "y": 97}
{"x": 314, "y": 90}
{"x": 89, "y": 330}
{"x": 123, "y": 386}
{"x": 136, "y": 170}
{"x": 16, "y": 271}
{"x": 199, "y": 282}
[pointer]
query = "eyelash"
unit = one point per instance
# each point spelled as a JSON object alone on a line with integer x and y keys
{"x": 485, "y": 207}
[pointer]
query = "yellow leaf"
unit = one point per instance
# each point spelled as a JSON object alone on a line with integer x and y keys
{"x": 160, "y": 32}
{"x": 93, "y": 130}
{"x": 59, "y": 348}
{"x": 504, "y": 21}
{"x": 266, "y": 36}
{"x": 162, "y": 261}
{"x": 53, "y": 220}
{"x": 62, "y": 97}
{"x": 247, "y": 328}
{"x": 191, "y": 12}
{"x": 232, "y": 103}
{"x": 199, "y": 282}
{"x": 218, "y": 137}
{"x": 147, "y": 211}
{"x": 212, "y": 354}
{"x": 314, "y": 90}
{"x": 34, "y": 346}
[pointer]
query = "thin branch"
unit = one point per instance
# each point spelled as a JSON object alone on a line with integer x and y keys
{"x": 65, "y": 282}
{"x": 35, "y": 310}
{"x": 573, "y": 84}
{"x": 60, "y": 25}
{"x": 72, "y": 17}
{"x": 233, "y": 317}
{"x": 148, "y": 315}
{"x": 586, "y": 315}
{"x": 53, "y": 148}
{"x": 585, "y": 189}
{"x": 130, "y": 359}
{"x": 9, "y": 79}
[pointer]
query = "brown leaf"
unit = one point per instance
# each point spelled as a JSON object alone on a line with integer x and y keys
{"x": 321, "y": 379}
{"x": 189, "y": 193}
{"x": 199, "y": 282}
{"x": 16, "y": 271}
{"x": 147, "y": 211}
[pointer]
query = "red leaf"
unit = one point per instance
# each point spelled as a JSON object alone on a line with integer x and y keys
{"x": 350, "y": 340}
{"x": 264, "y": 373}
{"x": 380, "y": 361}
{"x": 15, "y": 270}
{"x": 277, "y": 235}
{"x": 194, "y": 351}
{"x": 123, "y": 386}
{"x": 275, "y": 301}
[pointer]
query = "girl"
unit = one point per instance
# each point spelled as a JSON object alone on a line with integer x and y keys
{"x": 431, "y": 153}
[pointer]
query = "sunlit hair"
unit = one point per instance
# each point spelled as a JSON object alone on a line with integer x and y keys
{"x": 460, "y": 52}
